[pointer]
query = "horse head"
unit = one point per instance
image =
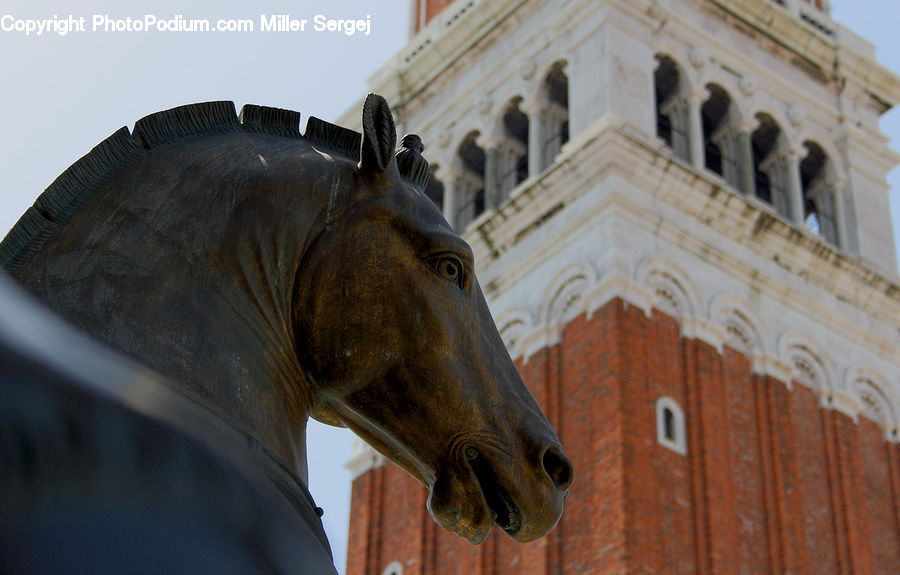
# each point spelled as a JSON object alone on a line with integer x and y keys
{"x": 271, "y": 275}
{"x": 399, "y": 345}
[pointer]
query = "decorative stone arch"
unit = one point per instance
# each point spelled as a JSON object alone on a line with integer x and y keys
{"x": 470, "y": 119}
{"x": 519, "y": 82}
{"x": 811, "y": 133}
{"x": 810, "y": 364}
{"x": 514, "y": 325}
{"x": 441, "y": 155}
{"x": 552, "y": 54}
{"x": 675, "y": 292}
{"x": 719, "y": 77}
{"x": 461, "y": 128}
{"x": 771, "y": 169}
{"x": 393, "y": 568}
{"x": 876, "y": 402}
{"x": 757, "y": 107}
{"x": 822, "y": 195}
{"x": 720, "y": 117}
{"x": 741, "y": 325}
{"x": 677, "y": 52}
{"x": 489, "y": 122}
{"x": 564, "y": 297}
{"x": 560, "y": 65}
{"x": 671, "y": 86}
{"x": 537, "y": 106}
{"x": 512, "y": 146}
{"x": 443, "y": 186}
{"x": 468, "y": 171}
{"x": 502, "y": 96}
{"x": 551, "y": 118}
{"x": 435, "y": 188}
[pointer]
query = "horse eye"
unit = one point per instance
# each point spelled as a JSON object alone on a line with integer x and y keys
{"x": 449, "y": 268}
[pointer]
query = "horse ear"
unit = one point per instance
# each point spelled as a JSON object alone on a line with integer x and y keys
{"x": 379, "y": 135}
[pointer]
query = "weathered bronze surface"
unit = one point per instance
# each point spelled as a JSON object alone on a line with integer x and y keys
{"x": 274, "y": 276}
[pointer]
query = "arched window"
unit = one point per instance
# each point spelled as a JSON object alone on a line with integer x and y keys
{"x": 718, "y": 138}
{"x": 869, "y": 389}
{"x": 514, "y": 149}
{"x": 670, "y": 431}
{"x": 556, "y": 130}
{"x": 818, "y": 196}
{"x": 769, "y": 168}
{"x": 470, "y": 187}
{"x": 671, "y": 111}
{"x": 393, "y": 568}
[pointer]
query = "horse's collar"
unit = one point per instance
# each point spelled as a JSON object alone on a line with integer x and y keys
{"x": 257, "y": 454}
{"x": 291, "y": 486}
{"x": 28, "y": 330}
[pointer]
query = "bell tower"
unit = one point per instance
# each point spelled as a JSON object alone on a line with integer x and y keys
{"x": 680, "y": 219}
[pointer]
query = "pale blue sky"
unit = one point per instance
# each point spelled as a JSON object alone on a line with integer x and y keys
{"x": 60, "y": 96}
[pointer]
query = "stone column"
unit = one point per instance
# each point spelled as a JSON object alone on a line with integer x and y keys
{"x": 491, "y": 176}
{"x": 535, "y": 139}
{"x": 840, "y": 220}
{"x": 695, "y": 129}
{"x": 795, "y": 186}
{"x": 450, "y": 178}
{"x": 746, "y": 177}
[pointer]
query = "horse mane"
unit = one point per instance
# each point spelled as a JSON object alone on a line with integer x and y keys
{"x": 74, "y": 186}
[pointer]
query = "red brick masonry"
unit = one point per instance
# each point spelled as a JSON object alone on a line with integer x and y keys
{"x": 771, "y": 482}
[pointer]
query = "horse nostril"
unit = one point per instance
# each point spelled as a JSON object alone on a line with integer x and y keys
{"x": 558, "y": 468}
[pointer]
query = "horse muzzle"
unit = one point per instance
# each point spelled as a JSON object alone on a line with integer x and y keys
{"x": 488, "y": 486}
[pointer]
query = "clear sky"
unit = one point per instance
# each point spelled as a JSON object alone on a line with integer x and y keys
{"x": 61, "y": 95}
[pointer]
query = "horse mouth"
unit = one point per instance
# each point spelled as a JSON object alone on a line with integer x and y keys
{"x": 506, "y": 513}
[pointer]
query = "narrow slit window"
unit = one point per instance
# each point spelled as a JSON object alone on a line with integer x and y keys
{"x": 669, "y": 424}
{"x": 670, "y": 430}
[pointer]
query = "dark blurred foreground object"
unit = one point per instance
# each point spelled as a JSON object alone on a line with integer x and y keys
{"x": 106, "y": 468}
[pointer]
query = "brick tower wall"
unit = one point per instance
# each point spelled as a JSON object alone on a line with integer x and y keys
{"x": 425, "y": 11}
{"x": 770, "y": 482}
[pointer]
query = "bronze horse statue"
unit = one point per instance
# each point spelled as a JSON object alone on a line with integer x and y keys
{"x": 270, "y": 276}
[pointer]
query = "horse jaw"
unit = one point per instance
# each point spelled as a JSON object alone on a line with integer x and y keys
{"x": 484, "y": 486}
{"x": 457, "y": 503}
{"x": 475, "y": 485}
{"x": 456, "y": 500}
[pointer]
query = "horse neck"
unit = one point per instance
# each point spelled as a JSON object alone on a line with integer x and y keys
{"x": 195, "y": 279}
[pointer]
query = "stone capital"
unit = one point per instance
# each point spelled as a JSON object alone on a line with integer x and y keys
{"x": 488, "y": 141}
{"x": 698, "y": 95}
{"x": 795, "y": 153}
{"x": 531, "y": 105}
{"x": 746, "y": 125}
